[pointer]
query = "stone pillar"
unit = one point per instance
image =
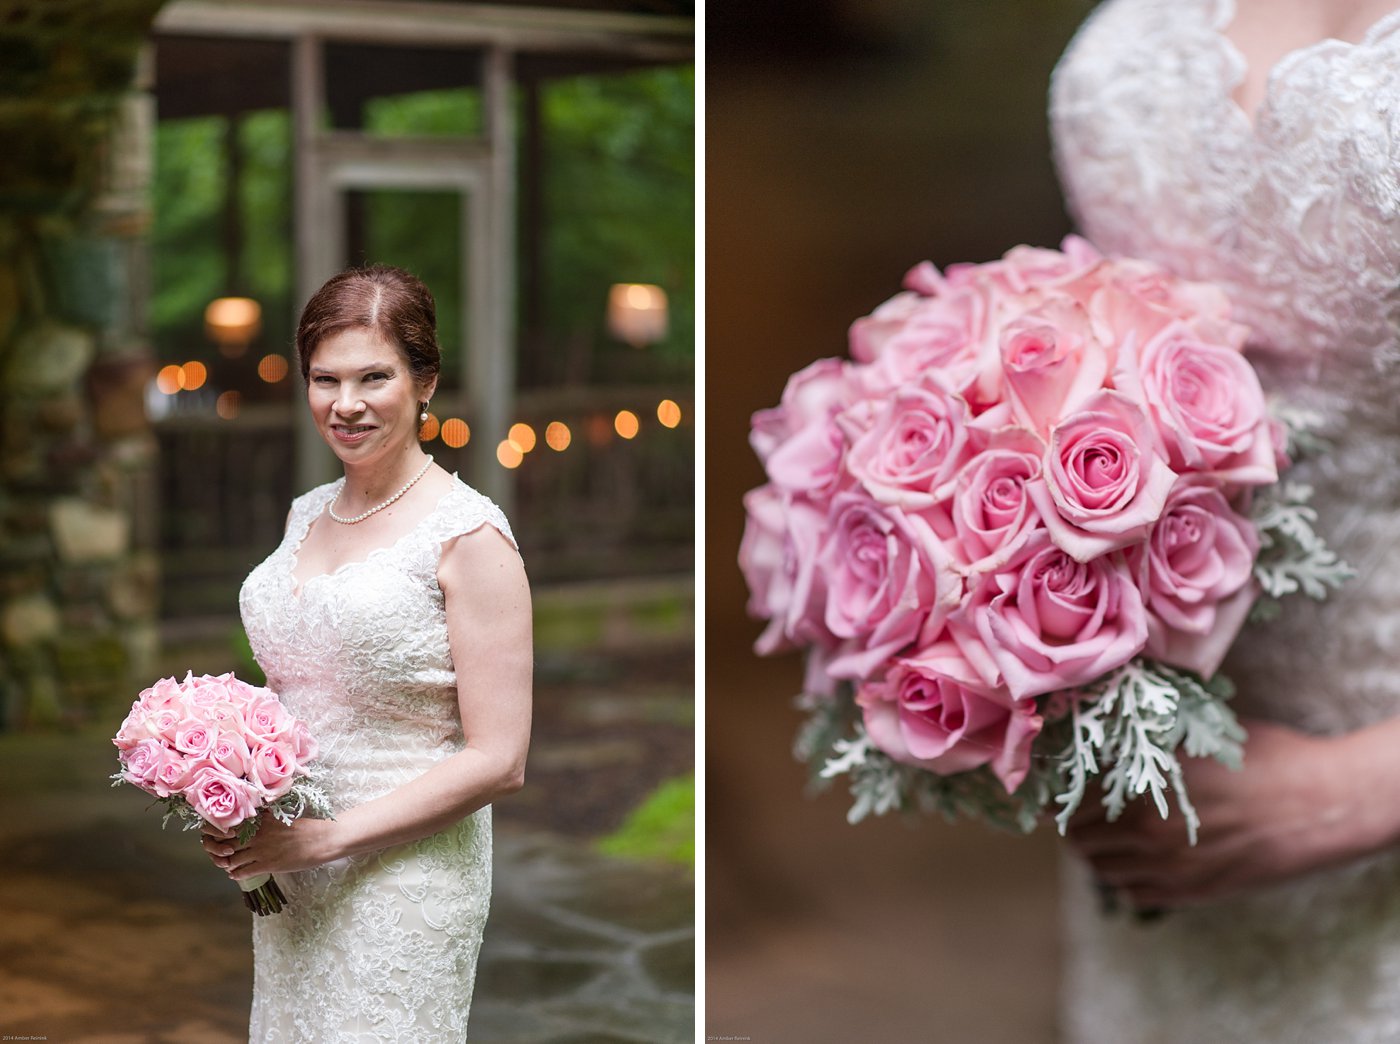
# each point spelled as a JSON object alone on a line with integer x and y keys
{"x": 78, "y": 573}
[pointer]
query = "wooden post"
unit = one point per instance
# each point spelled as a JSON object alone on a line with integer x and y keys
{"x": 492, "y": 385}
{"x": 317, "y": 241}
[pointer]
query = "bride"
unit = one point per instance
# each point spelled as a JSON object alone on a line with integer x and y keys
{"x": 1257, "y": 145}
{"x": 395, "y": 619}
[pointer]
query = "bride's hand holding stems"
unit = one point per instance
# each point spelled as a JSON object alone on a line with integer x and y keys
{"x": 1299, "y": 803}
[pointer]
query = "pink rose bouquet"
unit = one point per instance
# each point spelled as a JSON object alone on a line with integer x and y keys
{"x": 220, "y": 751}
{"x": 1018, "y": 532}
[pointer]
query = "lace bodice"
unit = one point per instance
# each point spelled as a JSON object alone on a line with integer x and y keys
{"x": 1297, "y": 216}
{"x": 380, "y": 947}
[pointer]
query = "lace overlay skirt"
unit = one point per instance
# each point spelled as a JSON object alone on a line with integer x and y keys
{"x": 375, "y": 948}
{"x": 1311, "y": 962}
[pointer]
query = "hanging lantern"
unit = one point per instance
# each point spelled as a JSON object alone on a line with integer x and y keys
{"x": 637, "y": 313}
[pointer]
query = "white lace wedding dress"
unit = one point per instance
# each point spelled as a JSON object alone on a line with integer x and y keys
{"x": 1297, "y": 215}
{"x": 378, "y": 947}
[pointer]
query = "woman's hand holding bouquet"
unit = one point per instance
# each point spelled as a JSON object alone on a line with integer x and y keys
{"x": 224, "y": 755}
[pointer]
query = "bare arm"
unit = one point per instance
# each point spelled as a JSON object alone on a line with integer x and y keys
{"x": 489, "y": 626}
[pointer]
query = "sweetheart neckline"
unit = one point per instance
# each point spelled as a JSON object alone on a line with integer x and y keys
{"x": 1224, "y": 15}
{"x": 298, "y": 589}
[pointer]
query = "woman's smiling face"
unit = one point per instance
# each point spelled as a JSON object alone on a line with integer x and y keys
{"x": 363, "y": 396}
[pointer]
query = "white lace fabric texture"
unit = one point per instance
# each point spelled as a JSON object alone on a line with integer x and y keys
{"x": 1297, "y": 216}
{"x": 382, "y": 946}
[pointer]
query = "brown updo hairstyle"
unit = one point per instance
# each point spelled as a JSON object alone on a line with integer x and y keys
{"x": 382, "y": 298}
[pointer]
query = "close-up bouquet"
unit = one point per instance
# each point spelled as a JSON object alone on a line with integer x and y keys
{"x": 1018, "y": 532}
{"x": 217, "y": 750}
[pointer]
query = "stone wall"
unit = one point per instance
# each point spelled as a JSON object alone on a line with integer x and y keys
{"x": 78, "y": 573}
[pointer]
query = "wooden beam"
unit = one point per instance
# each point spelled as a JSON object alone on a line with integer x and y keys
{"x": 651, "y": 37}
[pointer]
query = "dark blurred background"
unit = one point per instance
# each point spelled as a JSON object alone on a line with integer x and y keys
{"x": 845, "y": 142}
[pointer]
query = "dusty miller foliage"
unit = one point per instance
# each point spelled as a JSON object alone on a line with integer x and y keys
{"x": 306, "y": 798}
{"x": 1292, "y": 556}
{"x": 1123, "y": 731}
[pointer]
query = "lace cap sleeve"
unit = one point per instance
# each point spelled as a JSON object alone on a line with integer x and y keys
{"x": 464, "y": 511}
{"x": 306, "y": 507}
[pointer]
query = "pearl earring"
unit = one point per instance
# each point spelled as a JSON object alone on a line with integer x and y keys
{"x": 424, "y": 415}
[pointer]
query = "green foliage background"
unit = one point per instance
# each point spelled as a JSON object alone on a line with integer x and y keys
{"x": 618, "y": 194}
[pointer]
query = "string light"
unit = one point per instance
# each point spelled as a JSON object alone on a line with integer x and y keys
{"x": 626, "y": 424}
{"x": 272, "y": 368}
{"x": 557, "y": 436}
{"x": 455, "y": 432}
{"x": 170, "y": 379}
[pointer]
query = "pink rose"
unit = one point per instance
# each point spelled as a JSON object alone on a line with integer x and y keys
{"x": 265, "y": 718}
{"x": 991, "y": 510}
{"x": 946, "y": 327}
{"x": 195, "y": 738}
{"x": 1025, "y": 270}
{"x": 890, "y": 582}
{"x": 134, "y": 728}
{"x": 1138, "y": 299}
{"x": 930, "y": 711}
{"x": 1105, "y": 478}
{"x": 1052, "y": 362}
{"x": 1198, "y": 563}
{"x": 220, "y": 798}
{"x": 917, "y": 440}
{"x": 778, "y": 556}
{"x": 172, "y": 774}
{"x": 799, "y": 431}
{"x": 230, "y": 751}
{"x": 273, "y": 768}
{"x": 913, "y": 337}
{"x": 165, "y": 721}
{"x": 304, "y": 745}
{"x": 140, "y": 763}
{"x": 1046, "y": 622}
{"x": 1207, "y": 405}
{"x": 206, "y": 691}
{"x": 164, "y": 694}
{"x": 225, "y": 715}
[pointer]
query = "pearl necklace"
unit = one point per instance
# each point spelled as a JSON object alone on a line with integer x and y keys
{"x": 378, "y": 507}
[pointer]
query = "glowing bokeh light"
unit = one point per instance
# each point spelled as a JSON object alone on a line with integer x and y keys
{"x": 600, "y": 431}
{"x": 558, "y": 436}
{"x": 429, "y": 429}
{"x": 272, "y": 368}
{"x": 523, "y": 436}
{"x": 626, "y": 424}
{"x": 509, "y": 454}
{"x": 195, "y": 375}
{"x": 228, "y": 404}
{"x": 232, "y": 322}
{"x": 170, "y": 379}
{"x": 668, "y": 413}
{"x": 455, "y": 432}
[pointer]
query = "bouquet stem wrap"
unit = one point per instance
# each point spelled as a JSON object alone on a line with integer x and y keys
{"x": 262, "y": 895}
